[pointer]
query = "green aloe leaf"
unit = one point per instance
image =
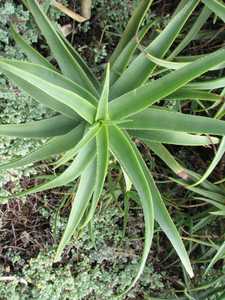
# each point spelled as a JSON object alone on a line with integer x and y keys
{"x": 219, "y": 254}
{"x": 54, "y": 126}
{"x": 102, "y": 110}
{"x": 132, "y": 28}
{"x": 159, "y": 119}
{"x": 80, "y": 60}
{"x": 193, "y": 32}
{"x": 175, "y": 65}
{"x": 168, "y": 158}
{"x": 52, "y": 77}
{"x": 123, "y": 149}
{"x": 80, "y": 203}
{"x": 201, "y": 191}
{"x": 56, "y": 145}
{"x": 174, "y": 138}
{"x": 125, "y": 56}
{"x": 32, "y": 54}
{"x": 166, "y": 223}
{"x": 214, "y": 163}
{"x": 187, "y": 93}
{"x": 140, "y": 98}
{"x": 140, "y": 69}
{"x": 89, "y": 135}
{"x": 51, "y": 95}
{"x": 217, "y": 7}
{"x": 102, "y": 142}
{"x": 82, "y": 160}
{"x": 69, "y": 66}
{"x": 208, "y": 84}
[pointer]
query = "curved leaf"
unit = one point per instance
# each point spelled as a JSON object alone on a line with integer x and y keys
{"x": 52, "y": 77}
{"x": 80, "y": 60}
{"x": 83, "y": 159}
{"x": 140, "y": 69}
{"x": 123, "y": 149}
{"x": 32, "y": 54}
{"x": 39, "y": 129}
{"x": 102, "y": 110}
{"x": 131, "y": 28}
{"x": 69, "y": 66}
{"x": 217, "y": 7}
{"x": 173, "y": 137}
{"x": 163, "y": 218}
{"x": 214, "y": 163}
{"x": 200, "y": 21}
{"x": 80, "y": 203}
{"x": 51, "y": 95}
{"x": 159, "y": 119}
{"x": 102, "y": 142}
{"x": 56, "y": 145}
{"x": 140, "y": 98}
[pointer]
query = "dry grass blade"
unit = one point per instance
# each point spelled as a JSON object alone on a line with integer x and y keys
{"x": 69, "y": 12}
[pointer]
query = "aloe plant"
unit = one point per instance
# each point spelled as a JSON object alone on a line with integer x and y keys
{"x": 99, "y": 118}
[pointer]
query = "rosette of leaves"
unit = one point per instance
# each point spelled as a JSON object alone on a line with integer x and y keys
{"x": 98, "y": 118}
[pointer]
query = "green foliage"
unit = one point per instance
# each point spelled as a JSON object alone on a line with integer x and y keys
{"x": 107, "y": 115}
{"x": 15, "y": 105}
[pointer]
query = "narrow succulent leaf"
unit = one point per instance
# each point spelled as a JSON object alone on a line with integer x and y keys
{"x": 123, "y": 59}
{"x": 166, "y": 223}
{"x": 207, "y": 185}
{"x": 102, "y": 142}
{"x": 174, "y": 65}
{"x": 160, "y": 119}
{"x": 56, "y": 145}
{"x": 217, "y": 7}
{"x": 174, "y": 138}
{"x": 218, "y": 213}
{"x": 80, "y": 60}
{"x": 102, "y": 110}
{"x": 208, "y": 84}
{"x": 79, "y": 205}
{"x": 167, "y": 157}
{"x": 219, "y": 254}
{"x": 46, "y": 5}
{"x": 140, "y": 98}
{"x": 51, "y": 95}
{"x": 87, "y": 138}
{"x": 132, "y": 27}
{"x": 201, "y": 191}
{"x": 82, "y": 160}
{"x": 194, "y": 30}
{"x": 221, "y": 112}
{"x": 179, "y": 7}
{"x": 187, "y": 93}
{"x": 219, "y": 154}
{"x": 52, "y": 127}
{"x": 69, "y": 66}
{"x": 32, "y": 54}
{"x": 220, "y": 206}
{"x": 53, "y": 77}
{"x": 140, "y": 69}
{"x": 123, "y": 149}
